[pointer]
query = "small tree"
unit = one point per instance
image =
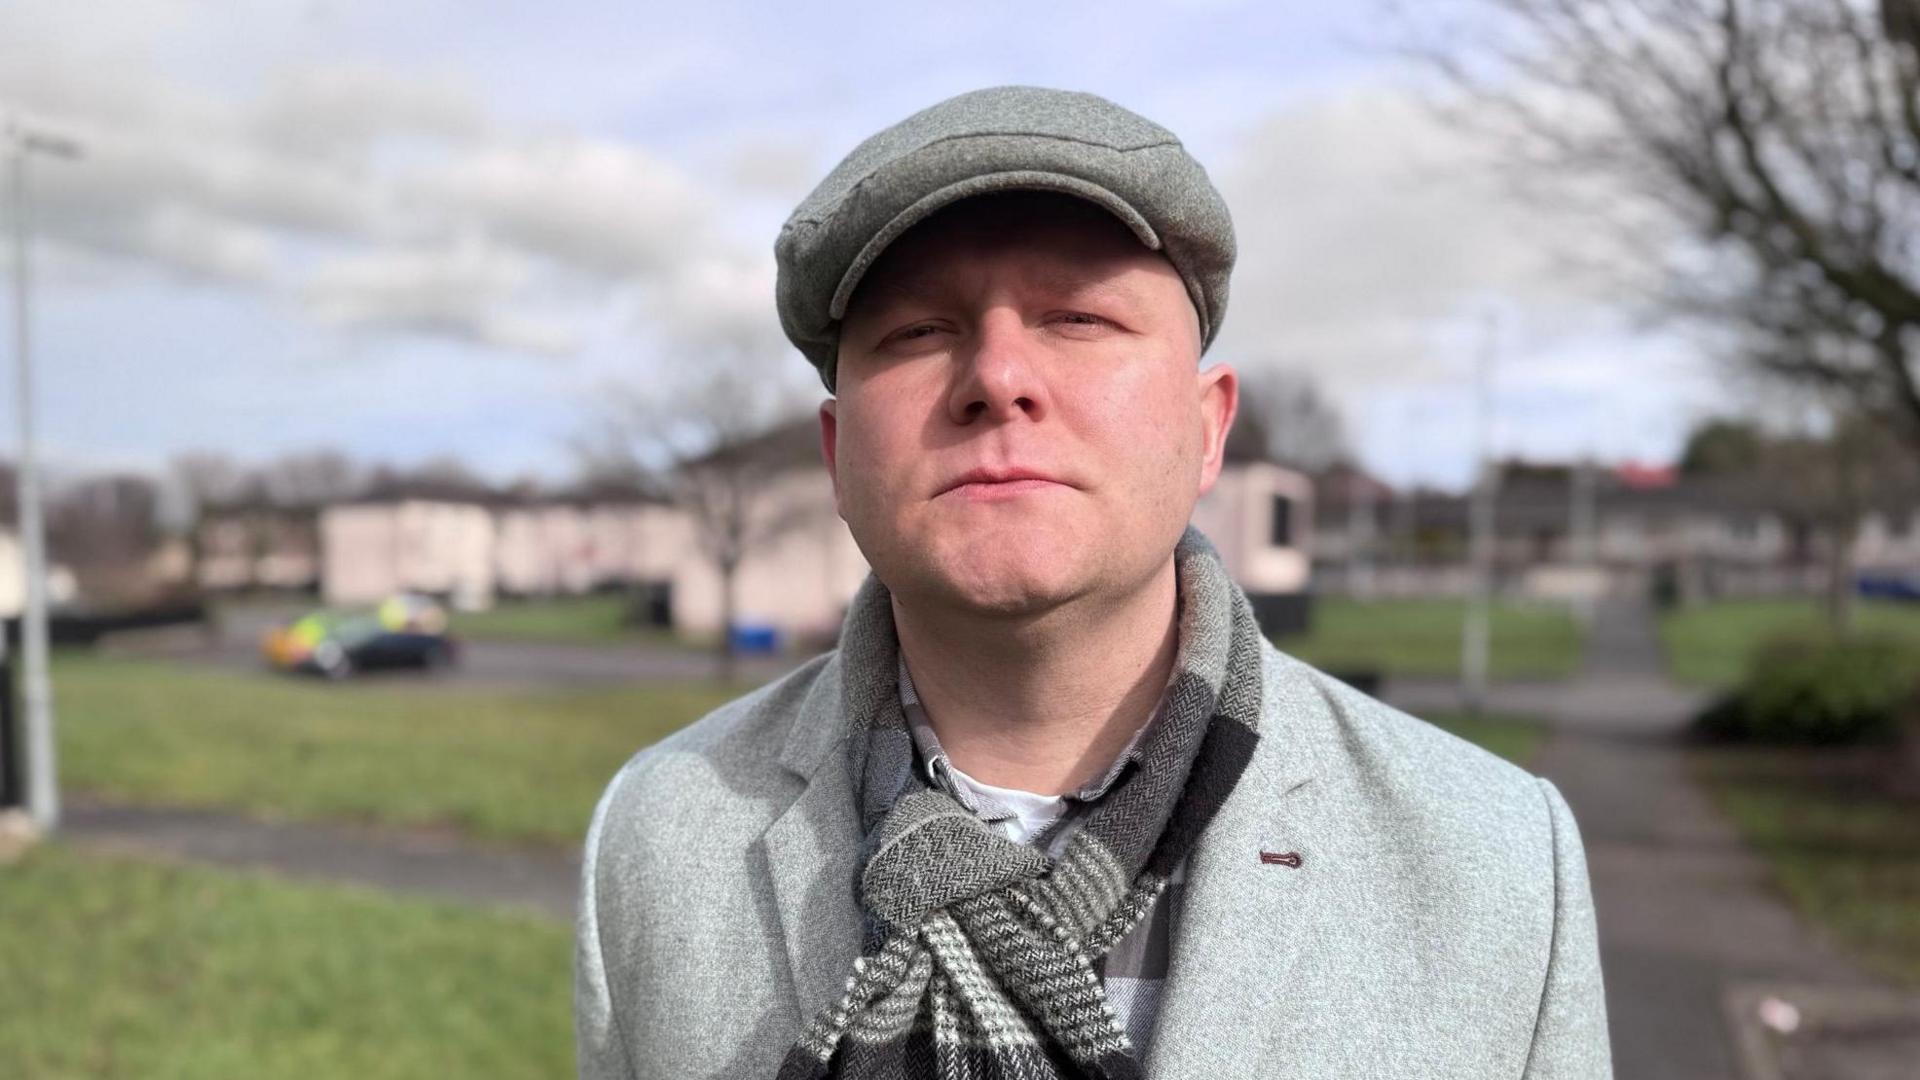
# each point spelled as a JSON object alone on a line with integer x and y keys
{"x": 717, "y": 445}
{"x": 1287, "y": 418}
{"x": 1822, "y": 483}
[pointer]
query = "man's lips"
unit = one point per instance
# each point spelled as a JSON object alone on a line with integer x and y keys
{"x": 988, "y": 484}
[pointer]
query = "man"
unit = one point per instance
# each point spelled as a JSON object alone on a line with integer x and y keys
{"x": 1055, "y": 807}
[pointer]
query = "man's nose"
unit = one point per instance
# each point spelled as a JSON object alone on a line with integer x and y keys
{"x": 1001, "y": 374}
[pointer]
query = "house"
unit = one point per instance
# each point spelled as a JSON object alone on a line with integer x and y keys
{"x": 257, "y": 545}
{"x": 1261, "y": 517}
{"x": 1566, "y": 531}
{"x": 375, "y": 547}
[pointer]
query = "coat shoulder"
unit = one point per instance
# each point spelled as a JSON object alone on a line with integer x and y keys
{"x": 1401, "y": 761}
{"x": 673, "y": 893}
{"x": 722, "y": 773}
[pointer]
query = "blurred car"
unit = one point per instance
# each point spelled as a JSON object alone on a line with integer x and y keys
{"x": 1889, "y": 585}
{"x": 404, "y": 632}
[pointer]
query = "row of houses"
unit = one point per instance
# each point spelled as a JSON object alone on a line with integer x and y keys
{"x": 1562, "y": 533}
{"x": 476, "y": 548}
{"x": 1570, "y": 531}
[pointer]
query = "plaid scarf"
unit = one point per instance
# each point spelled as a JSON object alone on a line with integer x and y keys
{"x": 982, "y": 954}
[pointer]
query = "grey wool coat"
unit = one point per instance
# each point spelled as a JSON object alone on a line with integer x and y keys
{"x": 1376, "y": 899}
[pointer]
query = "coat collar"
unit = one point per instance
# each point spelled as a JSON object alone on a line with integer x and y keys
{"x": 813, "y": 849}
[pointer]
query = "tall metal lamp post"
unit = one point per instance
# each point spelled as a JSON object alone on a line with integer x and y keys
{"x": 19, "y": 142}
{"x": 1476, "y": 636}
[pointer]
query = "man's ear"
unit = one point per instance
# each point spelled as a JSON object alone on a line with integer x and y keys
{"x": 830, "y": 446}
{"x": 1219, "y": 401}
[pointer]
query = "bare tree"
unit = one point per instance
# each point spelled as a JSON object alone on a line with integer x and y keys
{"x": 312, "y": 478}
{"x": 717, "y": 444}
{"x": 1824, "y": 484}
{"x": 1769, "y": 151}
{"x": 1822, "y": 479}
{"x": 208, "y": 478}
{"x": 1286, "y": 418}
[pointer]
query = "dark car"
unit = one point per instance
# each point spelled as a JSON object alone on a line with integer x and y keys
{"x": 404, "y": 633}
{"x": 1889, "y": 586}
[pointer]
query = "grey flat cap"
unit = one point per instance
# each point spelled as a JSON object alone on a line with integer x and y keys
{"x": 1001, "y": 139}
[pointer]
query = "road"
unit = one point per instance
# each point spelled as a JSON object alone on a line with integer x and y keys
{"x": 235, "y": 644}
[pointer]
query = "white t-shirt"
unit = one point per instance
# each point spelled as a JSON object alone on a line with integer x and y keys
{"x": 1032, "y": 813}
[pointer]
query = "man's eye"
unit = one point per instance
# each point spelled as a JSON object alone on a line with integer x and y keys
{"x": 1081, "y": 318}
{"x": 910, "y": 333}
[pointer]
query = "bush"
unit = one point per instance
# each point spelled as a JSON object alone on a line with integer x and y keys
{"x": 1819, "y": 689}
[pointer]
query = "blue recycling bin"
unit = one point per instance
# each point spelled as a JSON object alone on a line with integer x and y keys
{"x": 753, "y": 639}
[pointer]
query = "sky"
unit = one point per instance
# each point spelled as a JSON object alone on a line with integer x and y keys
{"x": 425, "y": 230}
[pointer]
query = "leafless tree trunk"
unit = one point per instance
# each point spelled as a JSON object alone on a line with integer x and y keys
{"x": 1839, "y": 599}
{"x": 729, "y": 615}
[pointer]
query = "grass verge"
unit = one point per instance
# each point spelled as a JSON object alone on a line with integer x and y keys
{"x": 123, "y": 968}
{"x": 1708, "y": 645}
{"x": 1843, "y": 846}
{"x": 1421, "y": 638}
{"x": 520, "y": 765}
{"x": 599, "y": 619}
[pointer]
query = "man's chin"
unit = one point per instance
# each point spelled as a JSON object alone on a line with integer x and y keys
{"x": 1014, "y": 589}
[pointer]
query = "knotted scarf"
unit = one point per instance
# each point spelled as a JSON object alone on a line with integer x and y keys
{"x": 982, "y": 954}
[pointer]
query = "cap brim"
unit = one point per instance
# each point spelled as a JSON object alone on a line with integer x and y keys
{"x": 1019, "y": 180}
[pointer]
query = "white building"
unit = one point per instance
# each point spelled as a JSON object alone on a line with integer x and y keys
{"x": 371, "y": 550}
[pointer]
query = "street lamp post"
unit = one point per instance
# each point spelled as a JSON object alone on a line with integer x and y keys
{"x": 20, "y": 142}
{"x": 1475, "y": 640}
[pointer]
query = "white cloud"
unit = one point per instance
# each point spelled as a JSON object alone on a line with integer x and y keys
{"x": 462, "y": 292}
{"x": 607, "y": 208}
{"x": 1362, "y": 222}
{"x": 343, "y": 111}
{"x": 719, "y": 301}
{"x": 384, "y": 199}
{"x": 781, "y": 167}
{"x": 186, "y": 238}
{"x": 176, "y": 178}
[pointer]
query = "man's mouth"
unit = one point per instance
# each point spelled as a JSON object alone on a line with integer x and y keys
{"x": 982, "y": 485}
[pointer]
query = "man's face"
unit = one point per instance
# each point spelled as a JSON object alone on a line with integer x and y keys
{"x": 1021, "y": 421}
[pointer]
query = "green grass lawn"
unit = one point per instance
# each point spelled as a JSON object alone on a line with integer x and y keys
{"x": 1845, "y": 851}
{"x": 119, "y": 968}
{"x": 506, "y": 764}
{"x": 1708, "y": 645}
{"x": 1515, "y": 738}
{"x": 598, "y": 619}
{"x": 1421, "y": 638}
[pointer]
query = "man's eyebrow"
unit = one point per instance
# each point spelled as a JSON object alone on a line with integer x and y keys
{"x": 1067, "y": 283}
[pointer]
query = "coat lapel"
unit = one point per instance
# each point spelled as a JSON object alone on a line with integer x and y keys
{"x": 813, "y": 853}
{"x": 1245, "y": 922}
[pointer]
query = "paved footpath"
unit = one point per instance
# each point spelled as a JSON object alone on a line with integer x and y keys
{"x": 423, "y": 862}
{"x": 1688, "y": 920}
